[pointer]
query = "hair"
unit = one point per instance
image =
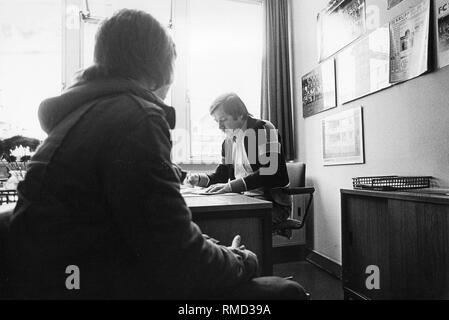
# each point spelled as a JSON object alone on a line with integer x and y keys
{"x": 133, "y": 44}
{"x": 232, "y": 105}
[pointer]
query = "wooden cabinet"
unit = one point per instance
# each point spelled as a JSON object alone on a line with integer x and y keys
{"x": 405, "y": 235}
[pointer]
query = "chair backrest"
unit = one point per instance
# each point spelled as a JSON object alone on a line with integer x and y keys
{"x": 296, "y": 174}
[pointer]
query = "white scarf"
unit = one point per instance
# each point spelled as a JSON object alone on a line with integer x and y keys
{"x": 242, "y": 166}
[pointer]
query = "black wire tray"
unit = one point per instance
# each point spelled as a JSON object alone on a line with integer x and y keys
{"x": 391, "y": 183}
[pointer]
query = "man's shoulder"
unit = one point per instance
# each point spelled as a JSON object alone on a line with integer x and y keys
{"x": 254, "y": 123}
{"x": 148, "y": 107}
{"x": 132, "y": 113}
{"x": 133, "y": 103}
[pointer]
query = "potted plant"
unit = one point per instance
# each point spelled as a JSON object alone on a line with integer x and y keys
{"x": 15, "y": 153}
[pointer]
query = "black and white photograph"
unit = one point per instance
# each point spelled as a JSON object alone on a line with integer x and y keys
{"x": 364, "y": 67}
{"x": 342, "y": 138}
{"x": 215, "y": 159}
{"x": 342, "y": 22}
{"x": 443, "y": 33}
{"x": 442, "y": 25}
{"x": 318, "y": 89}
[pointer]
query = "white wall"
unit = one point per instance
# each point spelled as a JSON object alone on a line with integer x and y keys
{"x": 406, "y": 131}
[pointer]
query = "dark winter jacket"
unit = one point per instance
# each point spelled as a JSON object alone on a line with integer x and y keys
{"x": 101, "y": 195}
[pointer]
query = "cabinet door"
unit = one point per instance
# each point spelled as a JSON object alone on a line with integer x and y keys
{"x": 419, "y": 257}
{"x": 365, "y": 240}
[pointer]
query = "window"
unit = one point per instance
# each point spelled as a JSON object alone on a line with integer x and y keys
{"x": 219, "y": 45}
{"x": 224, "y": 54}
{"x": 29, "y": 70}
{"x": 101, "y": 9}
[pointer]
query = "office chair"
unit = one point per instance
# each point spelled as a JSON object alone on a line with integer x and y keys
{"x": 297, "y": 175}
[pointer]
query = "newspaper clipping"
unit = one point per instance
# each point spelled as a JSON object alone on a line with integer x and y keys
{"x": 409, "y": 38}
{"x": 442, "y": 25}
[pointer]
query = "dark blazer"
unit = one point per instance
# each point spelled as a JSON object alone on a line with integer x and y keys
{"x": 256, "y": 180}
{"x": 101, "y": 194}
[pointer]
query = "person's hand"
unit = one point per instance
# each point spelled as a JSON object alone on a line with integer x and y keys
{"x": 249, "y": 258}
{"x": 219, "y": 188}
{"x": 238, "y": 248}
{"x": 179, "y": 172}
{"x": 236, "y": 243}
{"x": 193, "y": 179}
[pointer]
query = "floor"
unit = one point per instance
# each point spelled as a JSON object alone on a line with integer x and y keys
{"x": 320, "y": 284}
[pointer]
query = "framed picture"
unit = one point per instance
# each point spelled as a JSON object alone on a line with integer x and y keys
{"x": 364, "y": 66}
{"x": 442, "y": 25}
{"x": 318, "y": 89}
{"x": 342, "y": 138}
{"x": 339, "y": 24}
{"x": 409, "y": 43}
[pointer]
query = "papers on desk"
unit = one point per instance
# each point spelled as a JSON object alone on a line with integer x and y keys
{"x": 198, "y": 192}
{"x": 191, "y": 192}
{"x": 194, "y": 191}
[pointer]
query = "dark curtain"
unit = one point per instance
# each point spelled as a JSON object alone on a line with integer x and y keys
{"x": 276, "y": 84}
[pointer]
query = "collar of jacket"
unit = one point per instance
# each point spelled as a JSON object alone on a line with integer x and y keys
{"x": 53, "y": 110}
{"x": 253, "y": 123}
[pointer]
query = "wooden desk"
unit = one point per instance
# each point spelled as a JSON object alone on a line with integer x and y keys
{"x": 224, "y": 216}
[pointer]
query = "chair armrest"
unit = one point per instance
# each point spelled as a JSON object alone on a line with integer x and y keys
{"x": 296, "y": 190}
{"x": 288, "y": 224}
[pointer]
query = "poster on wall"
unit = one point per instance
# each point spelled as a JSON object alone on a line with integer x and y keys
{"x": 442, "y": 25}
{"x": 342, "y": 138}
{"x": 342, "y": 22}
{"x": 318, "y": 89}
{"x": 393, "y": 3}
{"x": 364, "y": 67}
{"x": 409, "y": 43}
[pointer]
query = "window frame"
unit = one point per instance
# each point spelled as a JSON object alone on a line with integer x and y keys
{"x": 180, "y": 92}
{"x": 63, "y": 45}
{"x": 73, "y": 52}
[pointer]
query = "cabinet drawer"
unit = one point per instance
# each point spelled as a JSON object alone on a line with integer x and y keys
{"x": 407, "y": 239}
{"x": 365, "y": 243}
